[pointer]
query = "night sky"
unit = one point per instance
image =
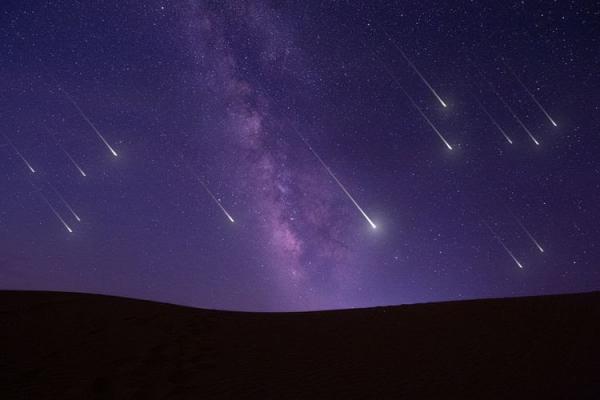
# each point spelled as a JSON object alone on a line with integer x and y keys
{"x": 217, "y": 107}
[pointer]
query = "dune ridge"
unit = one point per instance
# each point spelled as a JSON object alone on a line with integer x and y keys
{"x": 74, "y": 346}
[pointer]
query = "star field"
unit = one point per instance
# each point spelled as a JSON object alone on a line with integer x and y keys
{"x": 291, "y": 156}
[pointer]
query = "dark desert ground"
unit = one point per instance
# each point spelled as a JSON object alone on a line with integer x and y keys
{"x": 82, "y": 346}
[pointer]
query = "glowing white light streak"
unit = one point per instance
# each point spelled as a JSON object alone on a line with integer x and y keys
{"x": 31, "y": 169}
{"x": 67, "y": 227}
{"x": 210, "y": 193}
{"x": 509, "y": 108}
{"x": 414, "y": 104}
{"x": 493, "y": 120}
{"x": 414, "y": 67}
{"x": 84, "y": 116}
{"x": 65, "y": 203}
{"x": 510, "y": 253}
{"x": 530, "y": 94}
{"x": 535, "y": 242}
{"x": 60, "y": 146}
{"x": 330, "y": 172}
{"x": 216, "y": 201}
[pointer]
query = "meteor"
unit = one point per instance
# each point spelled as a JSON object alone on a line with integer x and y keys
{"x": 528, "y": 234}
{"x": 503, "y": 245}
{"x": 67, "y": 227}
{"x": 72, "y": 100}
{"x": 229, "y": 217}
{"x": 330, "y": 172}
{"x": 492, "y": 119}
{"x": 529, "y": 93}
{"x": 415, "y": 105}
{"x": 509, "y": 108}
{"x": 64, "y": 202}
{"x": 19, "y": 154}
{"x": 60, "y": 146}
{"x": 414, "y": 67}
{"x": 210, "y": 193}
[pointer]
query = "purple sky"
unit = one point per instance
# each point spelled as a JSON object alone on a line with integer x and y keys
{"x": 211, "y": 97}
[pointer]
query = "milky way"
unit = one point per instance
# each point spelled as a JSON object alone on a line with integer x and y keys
{"x": 418, "y": 132}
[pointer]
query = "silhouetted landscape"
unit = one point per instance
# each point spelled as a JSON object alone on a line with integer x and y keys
{"x": 82, "y": 346}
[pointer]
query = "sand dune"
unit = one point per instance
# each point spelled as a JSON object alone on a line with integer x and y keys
{"x": 78, "y": 346}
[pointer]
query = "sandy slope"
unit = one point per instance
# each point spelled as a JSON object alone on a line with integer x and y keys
{"x": 62, "y": 346}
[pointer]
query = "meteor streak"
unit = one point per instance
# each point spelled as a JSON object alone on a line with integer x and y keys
{"x": 415, "y": 105}
{"x": 60, "y": 146}
{"x": 19, "y": 154}
{"x": 65, "y": 202}
{"x": 529, "y": 93}
{"x": 72, "y": 100}
{"x": 330, "y": 172}
{"x": 528, "y": 234}
{"x": 493, "y": 120}
{"x": 503, "y": 245}
{"x": 210, "y": 193}
{"x": 67, "y": 227}
{"x": 229, "y": 217}
{"x": 509, "y": 108}
{"x": 413, "y": 66}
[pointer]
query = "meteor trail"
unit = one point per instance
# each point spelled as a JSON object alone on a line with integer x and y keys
{"x": 415, "y": 105}
{"x": 493, "y": 120}
{"x": 529, "y": 93}
{"x": 528, "y": 233}
{"x": 364, "y": 214}
{"x": 19, "y": 154}
{"x": 64, "y": 202}
{"x": 72, "y": 100}
{"x": 216, "y": 201}
{"x": 67, "y": 227}
{"x": 210, "y": 193}
{"x": 60, "y": 146}
{"x": 503, "y": 245}
{"x": 512, "y": 112}
{"x": 414, "y": 67}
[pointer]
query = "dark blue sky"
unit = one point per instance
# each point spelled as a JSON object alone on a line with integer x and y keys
{"x": 201, "y": 97}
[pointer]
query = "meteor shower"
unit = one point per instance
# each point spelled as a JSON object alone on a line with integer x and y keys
{"x": 268, "y": 156}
